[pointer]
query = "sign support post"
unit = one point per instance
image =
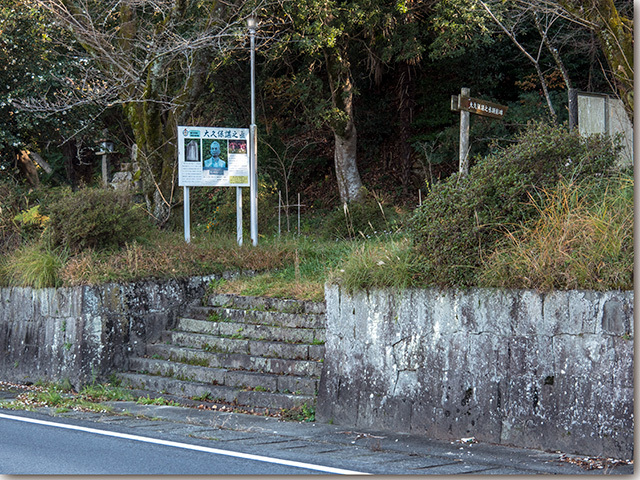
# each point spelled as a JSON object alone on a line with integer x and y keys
{"x": 213, "y": 157}
{"x": 467, "y": 105}
{"x": 239, "y": 215}
{"x": 187, "y": 214}
{"x": 253, "y": 192}
{"x": 464, "y": 136}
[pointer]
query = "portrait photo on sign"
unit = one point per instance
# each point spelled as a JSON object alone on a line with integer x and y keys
{"x": 215, "y": 154}
{"x": 191, "y": 150}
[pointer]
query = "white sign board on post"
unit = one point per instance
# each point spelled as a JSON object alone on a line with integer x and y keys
{"x": 212, "y": 157}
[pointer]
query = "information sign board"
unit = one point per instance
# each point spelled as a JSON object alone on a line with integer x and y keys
{"x": 481, "y": 107}
{"x": 213, "y": 157}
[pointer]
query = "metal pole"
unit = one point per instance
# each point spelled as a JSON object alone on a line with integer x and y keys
{"x": 253, "y": 140}
{"x": 239, "y": 215}
{"x": 464, "y": 136}
{"x": 298, "y": 214}
{"x": 105, "y": 169}
{"x": 187, "y": 215}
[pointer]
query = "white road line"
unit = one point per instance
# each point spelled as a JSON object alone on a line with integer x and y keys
{"x": 186, "y": 446}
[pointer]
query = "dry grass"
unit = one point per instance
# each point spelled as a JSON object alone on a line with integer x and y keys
{"x": 272, "y": 285}
{"x": 169, "y": 256}
{"x": 583, "y": 239}
{"x": 34, "y": 265}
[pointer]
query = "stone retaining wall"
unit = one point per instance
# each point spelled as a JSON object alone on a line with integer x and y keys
{"x": 85, "y": 333}
{"x": 550, "y": 371}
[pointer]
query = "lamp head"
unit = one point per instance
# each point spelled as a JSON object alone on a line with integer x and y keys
{"x": 104, "y": 147}
{"x": 252, "y": 22}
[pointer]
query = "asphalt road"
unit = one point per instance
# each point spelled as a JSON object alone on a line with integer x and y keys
{"x": 42, "y": 447}
{"x": 133, "y": 439}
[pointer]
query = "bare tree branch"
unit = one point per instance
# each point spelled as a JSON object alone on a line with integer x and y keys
{"x": 510, "y": 32}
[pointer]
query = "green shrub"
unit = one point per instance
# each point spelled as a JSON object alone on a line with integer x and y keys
{"x": 32, "y": 223}
{"x": 463, "y": 219}
{"x": 96, "y": 218}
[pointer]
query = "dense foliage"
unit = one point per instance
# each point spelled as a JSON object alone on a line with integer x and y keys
{"x": 353, "y": 88}
{"x": 96, "y": 219}
{"x": 463, "y": 219}
{"x": 41, "y": 74}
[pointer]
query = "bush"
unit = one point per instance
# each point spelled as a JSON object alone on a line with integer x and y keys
{"x": 32, "y": 223}
{"x": 96, "y": 219}
{"x": 463, "y": 219}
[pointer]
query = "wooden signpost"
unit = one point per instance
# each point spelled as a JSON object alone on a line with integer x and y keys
{"x": 465, "y": 104}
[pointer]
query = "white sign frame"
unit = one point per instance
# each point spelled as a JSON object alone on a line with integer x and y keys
{"x": 213, "y": 157}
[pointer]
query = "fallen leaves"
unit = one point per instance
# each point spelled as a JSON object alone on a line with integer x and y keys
{"x": 594, "y": 463}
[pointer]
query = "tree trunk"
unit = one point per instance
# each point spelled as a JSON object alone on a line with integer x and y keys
{"x": 535, "y": 61}
{"x": 349, "y": 182}
{"x": 157, "y": 158}
{"x": 616, "y": 40}
{"x": 405, "y": 106}
{"x": 27, "y": 168}
{"x": 343, "y": 127}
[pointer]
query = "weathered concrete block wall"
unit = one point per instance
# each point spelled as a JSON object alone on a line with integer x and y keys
{"x": 85, "y": 333}
{"x": 550, "y": 371}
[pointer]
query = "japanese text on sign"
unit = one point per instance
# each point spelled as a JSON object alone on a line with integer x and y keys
{"x": 482, "y": 107}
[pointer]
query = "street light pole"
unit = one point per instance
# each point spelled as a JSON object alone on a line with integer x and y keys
{"x": 253, "y": 140}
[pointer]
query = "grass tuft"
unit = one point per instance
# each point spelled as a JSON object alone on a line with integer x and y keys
{"x": 34, "y": 265}
{"x": 389, "y": 264}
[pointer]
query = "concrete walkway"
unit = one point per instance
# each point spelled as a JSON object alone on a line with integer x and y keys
{"x": 381, "y": 453}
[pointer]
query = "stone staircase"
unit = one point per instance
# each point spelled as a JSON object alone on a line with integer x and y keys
{"x": 253, "y": 353}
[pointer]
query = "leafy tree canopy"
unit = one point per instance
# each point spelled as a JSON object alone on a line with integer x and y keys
{"x": 40, "y": 63}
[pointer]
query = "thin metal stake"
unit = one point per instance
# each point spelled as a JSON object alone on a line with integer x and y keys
{"x": 298, "y": 214}
{"x": 279, "y": 210}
